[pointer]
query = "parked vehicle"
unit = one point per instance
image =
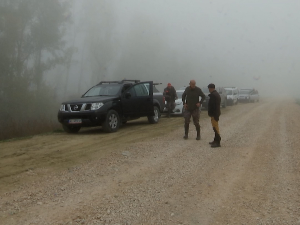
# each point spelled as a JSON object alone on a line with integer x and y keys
{"x": 222, "y": 93}
{"x": 110, "y": 104}
{"x": 244, "y": 95}
{"x": 248, "y": 95}
{"x": 178, "y": 110}
{"x": 232, "y": 95}
{"x": 254, "y": 96}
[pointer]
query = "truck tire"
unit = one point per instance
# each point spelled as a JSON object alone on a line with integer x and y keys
{"x": 71, "y": 129}
{"x": 155, "y": 118}
{"x": 112, "y": 122}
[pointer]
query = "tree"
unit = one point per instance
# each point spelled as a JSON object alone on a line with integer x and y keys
{"x": 31, "y": 42}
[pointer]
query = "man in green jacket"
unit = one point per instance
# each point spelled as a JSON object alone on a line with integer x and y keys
{"x": 214, "y": 113}
{"x": 192, "y": 103}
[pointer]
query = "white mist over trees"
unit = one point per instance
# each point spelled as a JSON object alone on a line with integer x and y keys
{"x": 31, "y": 43}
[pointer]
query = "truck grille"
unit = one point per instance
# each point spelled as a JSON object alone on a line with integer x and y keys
{"x": 76, "y": 107}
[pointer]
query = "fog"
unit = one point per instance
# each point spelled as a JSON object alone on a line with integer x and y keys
{"x": 53, "y": 51}
{"x": 232, "y": 43}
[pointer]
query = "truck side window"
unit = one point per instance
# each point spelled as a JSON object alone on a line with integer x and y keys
{"x": 125, "y": 87}
{"x": 141, "y": 90}
{"x": 132, "y": 92}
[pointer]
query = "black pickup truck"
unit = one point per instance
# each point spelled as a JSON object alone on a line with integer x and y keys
{"x": 110, "y": 104}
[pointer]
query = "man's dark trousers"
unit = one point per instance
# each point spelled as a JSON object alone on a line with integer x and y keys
{"x": 195, "y": 114}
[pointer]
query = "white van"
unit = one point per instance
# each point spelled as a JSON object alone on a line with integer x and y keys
{"x": 232, "y": 95}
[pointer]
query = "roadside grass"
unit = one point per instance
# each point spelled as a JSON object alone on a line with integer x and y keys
{"x": 298, "y": 101}
{"x": 16, "y": 139}
{"x": 27, "y": 129}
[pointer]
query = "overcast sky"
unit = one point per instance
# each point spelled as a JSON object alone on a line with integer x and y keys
{"x": 253, "y": 43}
{"x": 233, "y": 42}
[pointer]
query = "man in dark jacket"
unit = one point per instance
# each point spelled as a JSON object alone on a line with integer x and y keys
{"x": 192, "y": 103}
{"x": 214, "y": 112}
{"x": 170, "y": 97}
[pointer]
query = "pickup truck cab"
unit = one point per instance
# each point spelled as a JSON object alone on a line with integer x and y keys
{"x": 110, "y": 104}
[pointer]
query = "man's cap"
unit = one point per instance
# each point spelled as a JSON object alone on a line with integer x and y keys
{"x": 169, "y": 84}
{"x": 211, "y": 86}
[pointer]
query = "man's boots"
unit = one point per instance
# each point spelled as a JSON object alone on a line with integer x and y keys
{"x": 186, "y": 131}
{"x": 198, "y": 133}
{"x": 217, "y": 141}
{"x": 212, "y": 142}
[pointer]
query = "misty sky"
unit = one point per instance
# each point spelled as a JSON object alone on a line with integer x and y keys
{"x": 227, "y": 42}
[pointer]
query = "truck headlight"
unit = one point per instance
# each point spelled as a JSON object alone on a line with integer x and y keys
{"x": 62, "y": 108}
{"x": 97, "y": 105}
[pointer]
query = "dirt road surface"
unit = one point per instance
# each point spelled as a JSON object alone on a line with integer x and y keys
{"x": 148, "y": 174}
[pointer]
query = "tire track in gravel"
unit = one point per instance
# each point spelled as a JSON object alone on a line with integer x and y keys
{"x": 263, "y": 194}
{"x": 60, "y": 151}
{"x": 165, "y": 194}
{"x": 206, "y": 180}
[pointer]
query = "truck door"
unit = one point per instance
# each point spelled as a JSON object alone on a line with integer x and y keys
{"x": 138, "y": 100}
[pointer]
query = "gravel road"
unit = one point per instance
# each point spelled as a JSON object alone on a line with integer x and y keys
{"x": 148, "y": 174}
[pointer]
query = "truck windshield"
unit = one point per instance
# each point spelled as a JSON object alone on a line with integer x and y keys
{"x": 103, "y": 90}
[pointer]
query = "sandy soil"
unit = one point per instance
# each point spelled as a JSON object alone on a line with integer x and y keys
{"x": 148, "y": 174}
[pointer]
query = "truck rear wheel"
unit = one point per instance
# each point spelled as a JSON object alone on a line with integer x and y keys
{"x": 155, "y": 118}
{"x": 112, "y": 122}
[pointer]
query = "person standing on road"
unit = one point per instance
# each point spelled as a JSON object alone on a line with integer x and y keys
{"x": 191, "y": 102}
{"x": 214, "y": 113}
{"x": 170, "y": 97}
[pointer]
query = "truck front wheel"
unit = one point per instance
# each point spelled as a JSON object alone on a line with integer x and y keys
{"x": 112, "y": 122}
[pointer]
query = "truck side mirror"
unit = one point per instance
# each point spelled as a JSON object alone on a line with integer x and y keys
{"x": 127, "y": 95}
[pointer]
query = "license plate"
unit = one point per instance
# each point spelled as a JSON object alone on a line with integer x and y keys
{"x": 75, "y": 121}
